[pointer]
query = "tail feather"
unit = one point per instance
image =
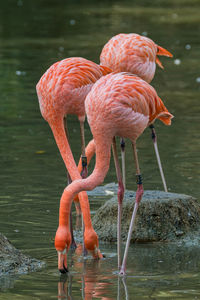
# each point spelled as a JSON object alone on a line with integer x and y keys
{"x": 165, "y": 117}
{"x": 161, "y": 113}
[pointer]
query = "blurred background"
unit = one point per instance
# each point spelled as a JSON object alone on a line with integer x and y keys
{"x": 34, "y": 35}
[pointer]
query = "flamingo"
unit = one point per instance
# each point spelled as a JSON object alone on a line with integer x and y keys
{"x": 138, "y": 55}
{"x": 62, "y": 91}
{"x": 118, "y": 105}
{"x": 133, "y": 53}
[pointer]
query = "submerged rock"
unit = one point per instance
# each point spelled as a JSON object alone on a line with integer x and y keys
{"x": 161, "y": 217}
{"x": 13, "y": 261}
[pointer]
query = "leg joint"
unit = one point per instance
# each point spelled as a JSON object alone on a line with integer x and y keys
{"x": 139, "y": 179}
{"x": 153, "y": 133}
{"x": 122, "y": 143}
{"x": 84, "y": 161}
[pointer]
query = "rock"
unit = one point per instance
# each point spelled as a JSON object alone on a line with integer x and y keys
{"x": 161, "y": 217}
{"x": 13, "y": 261}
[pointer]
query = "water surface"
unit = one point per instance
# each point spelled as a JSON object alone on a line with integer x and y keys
{"x": 35, "y": 34}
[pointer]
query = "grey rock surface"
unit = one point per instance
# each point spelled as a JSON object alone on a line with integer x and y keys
{"x": 13, "y": 261}
{"x": 161, "y": 216}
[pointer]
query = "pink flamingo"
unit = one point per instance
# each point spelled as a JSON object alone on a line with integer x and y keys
{"x": 133, "y": 53}
{"x": 61, "y": 91}
{"x": 138, "y": 55}
{"x": 118, "y": 105}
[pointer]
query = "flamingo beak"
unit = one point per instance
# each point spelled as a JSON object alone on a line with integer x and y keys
{"x": 163, "y": 52}
{"x": 62, "y": 261}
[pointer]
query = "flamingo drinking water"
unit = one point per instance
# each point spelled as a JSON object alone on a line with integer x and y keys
{"x": 61, "y": 91}
{"x": 117, "y": 105}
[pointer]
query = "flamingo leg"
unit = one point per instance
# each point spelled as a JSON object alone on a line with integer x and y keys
{"x": 83, "y": 155}
{"x": 154, "y": 138}
{"x": 77, "y": 204}
{"x": 122, "y": 143}
{"x": 120, "y": 196}
{"x": 73, "y": 243}
{"x": 138, "y": 198}
{"x": 84, "y": 171}
{"x": 83, "y": 230}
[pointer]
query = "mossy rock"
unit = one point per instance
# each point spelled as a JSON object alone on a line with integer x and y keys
{"x": 13, "y": 261}
{"x": 161, "y": 217}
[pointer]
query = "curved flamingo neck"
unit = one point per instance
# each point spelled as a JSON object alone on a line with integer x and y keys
{"x": 65, "y": 150}
{"x": 58, "y": 130}
{"x": 77, "y": 186}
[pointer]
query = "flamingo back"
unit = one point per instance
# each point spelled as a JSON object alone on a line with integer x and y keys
{"x": 123, "y": 104}
{"x": 63, "y": 87}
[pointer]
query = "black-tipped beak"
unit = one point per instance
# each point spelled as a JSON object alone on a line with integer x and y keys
{"x": 63, "y": 270}
{"x": 62, "y": 262}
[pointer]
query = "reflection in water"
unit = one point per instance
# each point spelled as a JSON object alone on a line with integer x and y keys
{"x": 122, "y": 281}
{"x": 159, "y": 270}
{"x": 92, "y": 283}
{"x": 65, "y": 287}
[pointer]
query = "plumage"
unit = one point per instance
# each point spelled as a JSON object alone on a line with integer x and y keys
{"x": 117, "y": 105}
{"x": 61, "y": 91}
{"x": 132, "y": 53}
{"x": 63, "y": 87}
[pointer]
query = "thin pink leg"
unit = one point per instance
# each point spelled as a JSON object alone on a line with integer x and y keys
{"x": 84, "y": 172}
{"x": 120, "y": 196}
{"x": 83, "y": 155}
{"x": 122, "y": 143}
{"x": 138, "y": 198}
{"x": 154, "y": 138}
{"x": 73, "y": 243}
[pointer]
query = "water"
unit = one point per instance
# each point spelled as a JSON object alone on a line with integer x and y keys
{"x": 35, "y": 34}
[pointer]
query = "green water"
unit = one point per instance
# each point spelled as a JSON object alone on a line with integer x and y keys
{"x": 35, "y": 34}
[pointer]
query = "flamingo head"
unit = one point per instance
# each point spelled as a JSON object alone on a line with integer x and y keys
{"x": 163, "y": 52}
{"x": 62, "y": 244}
